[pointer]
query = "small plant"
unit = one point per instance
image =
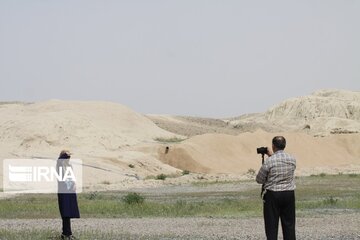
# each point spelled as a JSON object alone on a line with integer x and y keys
{"x": 92, "y": 196}
{"x": 186, "y": 172}
{"x": 133, "y": 198}
{"x": 353, "y": 175}
{"x": 105, "y": 182}
{"x": 251, "y": 171}
{"x": 330, "y": 201}
{"x": 161, "y": 177}
{"x": 131, "y": 166}
{"x": 322, "y": 174}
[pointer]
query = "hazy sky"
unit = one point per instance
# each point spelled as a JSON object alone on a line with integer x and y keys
{"x": 186, "y": 57}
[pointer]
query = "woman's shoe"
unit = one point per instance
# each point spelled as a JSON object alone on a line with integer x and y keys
{"x": 64, "y": 237}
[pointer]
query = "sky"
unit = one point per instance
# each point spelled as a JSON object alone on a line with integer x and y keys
{"x": 180, "y": 57}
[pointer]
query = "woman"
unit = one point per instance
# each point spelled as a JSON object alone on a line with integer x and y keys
{"x": 67, "y": 199}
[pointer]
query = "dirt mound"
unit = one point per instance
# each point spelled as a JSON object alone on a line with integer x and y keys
{"x": 217, "y": 153}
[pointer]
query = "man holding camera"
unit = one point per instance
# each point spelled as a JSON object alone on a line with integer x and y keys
{"x": 277, "y": 176}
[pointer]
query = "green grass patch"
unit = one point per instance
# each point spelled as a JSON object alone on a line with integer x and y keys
{"x": 329, "y": 191}
{"x": 206, "y": 183}
{"x": 215, "y": 199}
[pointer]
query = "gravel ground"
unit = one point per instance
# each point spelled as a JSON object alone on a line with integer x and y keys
{"x": 344, "y": 226}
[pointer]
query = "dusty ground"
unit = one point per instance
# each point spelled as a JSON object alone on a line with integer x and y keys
{"x": 322, "y": 226}
{"x": 312, "y": 224}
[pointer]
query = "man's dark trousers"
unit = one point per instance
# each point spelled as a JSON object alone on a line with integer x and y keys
{"x": 279, "y": 204}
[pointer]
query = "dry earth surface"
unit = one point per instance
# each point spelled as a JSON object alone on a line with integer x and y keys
{"x": 344, "y": 226}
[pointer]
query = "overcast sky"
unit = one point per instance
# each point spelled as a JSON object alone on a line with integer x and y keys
{"x": 184, "y": 57}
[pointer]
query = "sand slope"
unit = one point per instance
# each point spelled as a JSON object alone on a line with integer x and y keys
{"x": 219, "y": 153}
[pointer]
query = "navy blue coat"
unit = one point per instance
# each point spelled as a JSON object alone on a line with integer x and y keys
{"x": 68, "y": 205}
{"x": 67, "y": 199}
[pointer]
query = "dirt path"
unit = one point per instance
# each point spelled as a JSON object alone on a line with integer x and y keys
{"x": 344, "y": 226}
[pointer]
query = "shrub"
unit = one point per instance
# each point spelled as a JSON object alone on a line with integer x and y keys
{"x": 105, "y": 182}
{"x": 161, "y": 177}
{"x": 131, "y": 166}
{"x": 92, "y": 196}
{"x": 133, "y": 198}
{"x": 185, "y": 172}
{"x": 330, "y": 201}
{"x": 251, "y": 171}
{"x": 322, "y": 174}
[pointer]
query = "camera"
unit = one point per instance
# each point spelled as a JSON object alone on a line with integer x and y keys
{"x": 262, "y": 150}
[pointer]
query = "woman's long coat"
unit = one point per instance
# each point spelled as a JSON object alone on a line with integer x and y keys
{"x": 67, "y": 198}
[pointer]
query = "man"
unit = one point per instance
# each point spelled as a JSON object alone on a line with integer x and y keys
{"x": 277, "y": 177}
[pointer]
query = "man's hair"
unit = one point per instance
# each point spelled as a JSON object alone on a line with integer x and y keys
{"x": 279, "y": 142}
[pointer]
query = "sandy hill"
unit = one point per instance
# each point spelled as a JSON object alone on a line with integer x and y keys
{"x": 89, "y": 127}
{"x": 102, "y": 134}
{"x": 321, "y": 113}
